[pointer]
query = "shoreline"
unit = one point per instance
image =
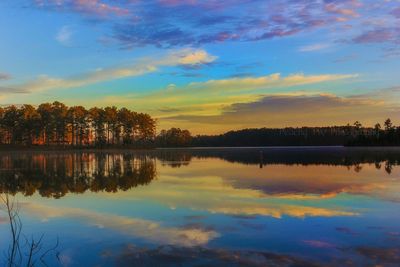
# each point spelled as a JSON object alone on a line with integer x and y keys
{"x": 6, "y": 148}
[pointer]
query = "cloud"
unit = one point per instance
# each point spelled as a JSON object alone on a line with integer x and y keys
{"x": 3, "y": 220}
{"x": 4, "y": 76}
{"x": 294, "y": 109}
{"x": 212, "y": 22}
{"x": 195, "y": 23}
{"x": 319, "y": 244}
{"x": 378, "y": 35}
{"x": 380, "y": 256}
{"x": 379, "y": 27}
{"x": 183, "y": 57}
{"x": 346, "y": 58}
{"x": 150, "y": 23}
{"x": 314, "y": 47}
{"x": 212, "y": 97}
{"x": 97, "y": 8}
{"x": 169, "y": 110}
{"x": 195, "y": 57}
{"x": 335, "y": 7}
{"x": 396, "y": 12}
{"x": 307, "y": 183}
{"x": 64, "y": 35}
{"x": 193, "y": 256}
{"x": 202, "y": 192}
{"x": 273, "y": 80}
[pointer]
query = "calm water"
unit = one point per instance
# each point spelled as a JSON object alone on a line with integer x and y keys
{"x": 208, "y": 207}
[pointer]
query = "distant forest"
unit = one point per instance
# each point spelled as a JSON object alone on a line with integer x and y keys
{"x": 349, "y": 135}
{"x": 55, "y": 124}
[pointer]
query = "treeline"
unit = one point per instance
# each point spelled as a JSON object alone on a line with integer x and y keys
{"x": 351, "y": 135}
{"x": 305, "y": 136}
{"x": 57, "y": 124}
{"x": 388, "y": 135}
{"x": 174, "y": 137}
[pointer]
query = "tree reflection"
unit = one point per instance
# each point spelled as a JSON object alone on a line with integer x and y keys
{"x": 352, "y": 158}
{"x": 175, "y": 158}
{"x": 55, "y": 175}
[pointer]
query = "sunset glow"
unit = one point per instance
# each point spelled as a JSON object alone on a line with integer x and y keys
{"x": 208, "y": 66}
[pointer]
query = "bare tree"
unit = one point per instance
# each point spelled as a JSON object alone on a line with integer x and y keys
{"x": 23, "y": 251}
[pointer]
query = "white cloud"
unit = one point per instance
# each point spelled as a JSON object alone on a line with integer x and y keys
{"x": 141, "y": 228}
{"x": 184, "y": 57}
{"x": 314, "y": 47}
{"x": 197, "y": 57}
{"x": 64, "y": 35}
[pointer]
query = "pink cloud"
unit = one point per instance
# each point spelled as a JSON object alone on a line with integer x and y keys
{"x": 100, "y": 8}
{"x": 91, "y": 7}
{"x": 178, "y": 2}
{"x": 319, "y": 244}
{"x": 333, "y": 8}
{"x": 396, "y": 12}
{"x": 375, "y": 36}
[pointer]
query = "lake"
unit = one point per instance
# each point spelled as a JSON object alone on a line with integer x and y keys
{"x": 204, "y": 207}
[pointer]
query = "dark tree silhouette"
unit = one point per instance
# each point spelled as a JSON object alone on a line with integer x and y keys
{"x": 174, "y": 137}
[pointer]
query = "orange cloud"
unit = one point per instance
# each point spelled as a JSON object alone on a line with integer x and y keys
{"x": 90, "y": 7}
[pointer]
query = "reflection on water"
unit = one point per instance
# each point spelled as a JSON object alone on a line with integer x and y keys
{"x": 55, "y": 175}
{"x": 293, "y": 156}
{"x": 303, "y": 207}
{"x": 183, "y": 256}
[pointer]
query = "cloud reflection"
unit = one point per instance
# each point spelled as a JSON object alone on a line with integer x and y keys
{"x": 216, "y": 195}
{"x": 145, "y": 229}
{"x": 199, "y": 256}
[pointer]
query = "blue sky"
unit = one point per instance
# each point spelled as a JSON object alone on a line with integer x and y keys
{"x": 209, "y": 65}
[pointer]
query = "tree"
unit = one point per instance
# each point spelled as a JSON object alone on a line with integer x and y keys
{"x": 56, "y": 124}
{"x": 147, "y": 128}
{"x": 29, "y": 123}
{"x": 47, "y": 122}
{"x": 60, "y": 121}
{"x": 111, "y": 117}
{"x": 78, "y": 121}
{"x": 174, "y": 137}
{"x": 3, "y": 133}
{"x": 128, "y": 123}
{"x": 357, "y": 124}
{"x": 97, "y": 120}
{"x": 10, "y": 123}
{"x": 388, "y": 124}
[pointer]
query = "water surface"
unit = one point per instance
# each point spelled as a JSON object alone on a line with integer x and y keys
{"x": 208, "y": 207}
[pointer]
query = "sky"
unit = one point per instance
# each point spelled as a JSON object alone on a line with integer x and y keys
{"x": 208, "y": 66}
